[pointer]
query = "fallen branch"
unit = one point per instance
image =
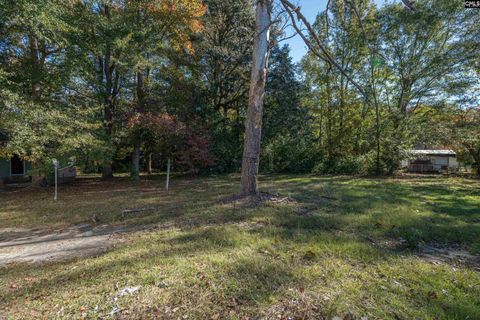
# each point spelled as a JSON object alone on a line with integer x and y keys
{"x": 137, "y": 210}
{"x": 328, "y": 197}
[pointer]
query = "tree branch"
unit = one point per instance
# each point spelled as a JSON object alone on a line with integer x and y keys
{"x": 409, "y": 4}
{"x": 324, "y": 54}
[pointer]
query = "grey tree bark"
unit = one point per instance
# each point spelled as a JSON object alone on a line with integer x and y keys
{"x": 253, "y": 123}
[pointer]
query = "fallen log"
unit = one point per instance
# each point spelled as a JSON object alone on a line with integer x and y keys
{"x": 137, "y": 210}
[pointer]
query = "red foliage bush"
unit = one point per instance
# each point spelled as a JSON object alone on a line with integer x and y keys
{"x": 188, "y": 146}
{"x": 195, "y": 153}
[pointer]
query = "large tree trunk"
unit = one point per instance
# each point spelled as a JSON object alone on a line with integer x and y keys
{"x": 253, "y": 124}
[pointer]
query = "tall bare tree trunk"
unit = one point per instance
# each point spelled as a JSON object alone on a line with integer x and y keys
{"x": 253, "y": 124}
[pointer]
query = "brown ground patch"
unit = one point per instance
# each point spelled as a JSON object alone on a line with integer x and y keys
{"x": 25, "y": 245}
{"x": 453, "y": 255}
{"x": 253, "y": 201}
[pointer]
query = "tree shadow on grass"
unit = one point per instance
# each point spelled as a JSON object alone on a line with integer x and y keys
{"x": 250, "y": 280}
{"x": 105, "y": 200}
{"x": 250, "y": 275}
{"x": 239, "y": 269}
{"x": 453, "y": 218}
{"x": 153, "y": 251}
{"x": 430, "y": 212}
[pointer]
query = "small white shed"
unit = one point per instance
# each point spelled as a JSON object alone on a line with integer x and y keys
{"x": 430, "y": 160}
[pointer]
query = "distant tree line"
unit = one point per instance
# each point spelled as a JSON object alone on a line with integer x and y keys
{"x": 126, "y": 85}
{"x": 406, "y": 61}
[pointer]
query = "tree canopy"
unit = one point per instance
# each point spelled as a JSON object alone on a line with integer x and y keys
{"x": 124, "y": 85}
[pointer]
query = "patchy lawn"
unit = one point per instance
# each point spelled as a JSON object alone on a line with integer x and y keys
{"x": 337, "y": 246}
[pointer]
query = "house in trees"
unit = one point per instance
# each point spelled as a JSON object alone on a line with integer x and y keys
{"x": 17, "y": 170}
{"x": 14, "y": 169}
{"x": 423, "y": 161}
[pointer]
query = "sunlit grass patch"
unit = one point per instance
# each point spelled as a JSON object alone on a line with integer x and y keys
{"x": 324, "y": 255}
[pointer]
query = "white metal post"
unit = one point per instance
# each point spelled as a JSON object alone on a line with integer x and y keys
{"x": 56, "y": 165}
{"x": 168, "y": 173}
{"x": 56, "y": 183}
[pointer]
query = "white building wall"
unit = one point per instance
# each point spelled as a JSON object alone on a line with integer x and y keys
{"x": 439, "y": 162}
{"x": 453, "y": 163}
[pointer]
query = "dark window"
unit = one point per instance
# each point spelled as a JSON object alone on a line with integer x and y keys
{"x": 16, "y": 165}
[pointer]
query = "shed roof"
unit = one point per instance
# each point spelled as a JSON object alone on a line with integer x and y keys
{"x": 433, "y": 152}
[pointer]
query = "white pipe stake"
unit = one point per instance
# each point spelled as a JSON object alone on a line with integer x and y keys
{"x": 168, "y": 173}
{"x": 56, "y": 183}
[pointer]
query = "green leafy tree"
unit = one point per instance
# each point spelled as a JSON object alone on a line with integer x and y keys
{"x": 157, "y": 28}
{"x": 120, "y": 44}
{"x": 465, "y": 135}
{"x": 287, "y": 135}
{"x": 41, "y": 116}
{"x": 224, "y": 54}
{"x": 422, "y": 50}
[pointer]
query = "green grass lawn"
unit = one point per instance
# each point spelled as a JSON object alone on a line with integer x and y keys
{"x": 346, "y": 245}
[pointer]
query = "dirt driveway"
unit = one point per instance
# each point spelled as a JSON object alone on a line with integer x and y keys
{"x": 27, "y": 245}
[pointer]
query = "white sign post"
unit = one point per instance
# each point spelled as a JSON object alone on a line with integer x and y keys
{"x": 56, "y": 165}
{"x": 168, "y": 174}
